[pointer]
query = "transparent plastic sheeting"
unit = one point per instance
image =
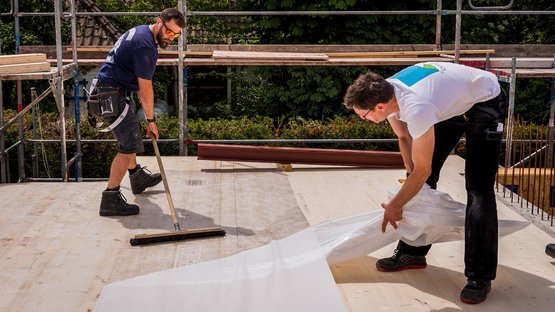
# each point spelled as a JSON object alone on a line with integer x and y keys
{"x": 291, "y": 274}
{"x": 285, "y": 275}
{"x": 430, "y": 217}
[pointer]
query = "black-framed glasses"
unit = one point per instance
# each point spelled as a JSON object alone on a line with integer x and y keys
{"x": 363, "y": 117}
{"x": 170, "y": 32}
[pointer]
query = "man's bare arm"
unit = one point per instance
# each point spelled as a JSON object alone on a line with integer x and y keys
{"x": 405, "y": 141}
{"x": 422, "y": 152}
{"x": 146, "y": 96}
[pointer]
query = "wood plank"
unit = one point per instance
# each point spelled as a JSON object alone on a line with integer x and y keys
{"x": 536, "y": 73}
{"x": 405, "y": 53}
{"x": 160, "y": 51}
{"x": 301, "y": 55}
{"x": 505, "y": 62}
{"x": 330, "y": 62}
{"x": 25, "y": 68}
{"x": 269, "y": 55}
{"x": 248, "y": 62}
{"x": 501, "y": 50}
{"x": 309, "y": 48}
{"x": 22, "y": 58}
{"x": 186, "y": 53}
{"x": 67, "y": 73}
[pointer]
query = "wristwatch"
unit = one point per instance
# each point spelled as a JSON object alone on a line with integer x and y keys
{"x": 153, "y": 119}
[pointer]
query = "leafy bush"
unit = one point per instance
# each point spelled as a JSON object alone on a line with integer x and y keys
{"x": 339, "y": 128}
{"x": 97, "y": 156}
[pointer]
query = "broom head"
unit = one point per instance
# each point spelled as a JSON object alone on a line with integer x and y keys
{"x": 144, "y": 239}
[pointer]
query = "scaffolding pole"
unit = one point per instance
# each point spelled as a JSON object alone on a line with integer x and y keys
{"x": 58, "y": 86}
{"x": 182, "y": 83}
{"x": 78, "y": 154}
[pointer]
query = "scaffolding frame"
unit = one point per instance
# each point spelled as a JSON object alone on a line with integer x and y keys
{"x": 58, "y": 76}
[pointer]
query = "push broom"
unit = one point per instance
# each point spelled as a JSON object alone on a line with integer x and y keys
{"x": 178, "y": 234}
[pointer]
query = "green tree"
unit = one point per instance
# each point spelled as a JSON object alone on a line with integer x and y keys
{"x": 311, "y": 92}
{"x": 343, "y": 29}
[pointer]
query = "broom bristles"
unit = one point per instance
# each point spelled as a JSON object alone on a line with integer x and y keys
{"x": 144, "y": 239}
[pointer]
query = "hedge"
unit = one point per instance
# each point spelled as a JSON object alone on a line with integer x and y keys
{"x": 98, "y": 156}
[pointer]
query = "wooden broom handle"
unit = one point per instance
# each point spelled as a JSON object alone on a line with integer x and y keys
{"x": 165, "y": 180}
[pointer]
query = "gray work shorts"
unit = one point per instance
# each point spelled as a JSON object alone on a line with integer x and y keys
{"x": 128, "y": 133}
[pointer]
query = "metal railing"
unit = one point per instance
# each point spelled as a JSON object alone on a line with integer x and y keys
{"x": 530, "y": 180}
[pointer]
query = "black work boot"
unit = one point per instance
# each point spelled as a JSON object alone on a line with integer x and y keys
{"x": 475, "y": 291}
{"x": 401, "y": 261}
{"x": 142, "y": 179}
{"x": 114, "y": 204}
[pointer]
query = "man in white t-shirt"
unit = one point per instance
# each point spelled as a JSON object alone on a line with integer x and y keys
{"x": 430, "y": 106}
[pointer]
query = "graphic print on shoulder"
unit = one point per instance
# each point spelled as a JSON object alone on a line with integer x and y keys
{"x": 413, "y": 74}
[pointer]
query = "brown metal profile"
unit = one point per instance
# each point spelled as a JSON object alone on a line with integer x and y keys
{"x": 293, "y": 155}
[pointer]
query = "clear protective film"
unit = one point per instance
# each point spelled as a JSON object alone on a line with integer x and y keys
{"x": 285, "y": 275}
{"x": 291, "y": 274}
{"x": 429, "y": 217}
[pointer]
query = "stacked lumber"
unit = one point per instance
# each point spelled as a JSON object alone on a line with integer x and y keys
{"x": 290, "y": 55}
{"x": 250, "y": 55}
{"x": 405, "y": 53}
{"x": 23, "y": 63}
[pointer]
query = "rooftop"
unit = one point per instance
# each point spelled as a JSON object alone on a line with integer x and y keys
{"x": 53, "y": 244}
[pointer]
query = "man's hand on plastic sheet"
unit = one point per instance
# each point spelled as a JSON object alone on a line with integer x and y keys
{"x": 422, "y": 152}
{"x": 391, "y": 215}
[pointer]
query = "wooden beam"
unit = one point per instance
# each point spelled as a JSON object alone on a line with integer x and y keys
{"x": 186, "y": 53}
{"x": 24, "y": 68}
{"x": 249, "y": 55}
{"x": 160, "y": 51}
{"x": 501, "y": 50}
{"x": 399, "y": 61}
{"x": 404, "y": 53}
{"x": 66, "y": 73}
{"x": 292, "y": 155}
{"x": 22, "y": 58}
{"x": 526, "y": 73}
{"x": 506, "y": 62}
{"x": 205, "y": 61}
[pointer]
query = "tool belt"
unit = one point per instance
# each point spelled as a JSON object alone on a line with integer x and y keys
{"x": 108, "y": 103}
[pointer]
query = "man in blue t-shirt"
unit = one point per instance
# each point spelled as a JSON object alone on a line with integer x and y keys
{"x": 128, "y": 68}
{"x": 430, "y": 106}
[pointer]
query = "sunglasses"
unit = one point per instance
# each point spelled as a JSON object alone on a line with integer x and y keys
{"x": 170, "y": 32}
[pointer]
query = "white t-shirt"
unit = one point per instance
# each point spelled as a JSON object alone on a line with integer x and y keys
{"x": 431, "y": 92}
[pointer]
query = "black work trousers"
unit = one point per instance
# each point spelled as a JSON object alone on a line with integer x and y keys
{"x": 483, "y": 144}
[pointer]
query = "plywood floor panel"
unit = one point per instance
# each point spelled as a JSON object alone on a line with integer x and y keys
{"x": 54, "y": 246}
{"x": 526, "y": 276}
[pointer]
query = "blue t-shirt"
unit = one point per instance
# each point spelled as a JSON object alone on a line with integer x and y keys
{"x": 134, "y": 55}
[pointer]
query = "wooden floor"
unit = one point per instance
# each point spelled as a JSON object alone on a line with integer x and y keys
{"x": 56, "y": 253}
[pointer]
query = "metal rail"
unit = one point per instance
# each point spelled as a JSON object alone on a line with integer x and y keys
{"x": 299, "y": 13}
{"x": 499, "y": 7}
